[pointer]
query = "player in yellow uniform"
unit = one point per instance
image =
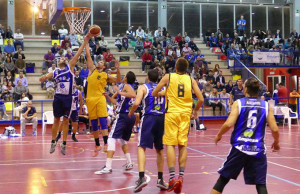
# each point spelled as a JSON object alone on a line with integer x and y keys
{"x": 95, "y": 100}
{"x": 178, "y": 112}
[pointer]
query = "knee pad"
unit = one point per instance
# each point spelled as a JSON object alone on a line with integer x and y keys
{"x": 261, "y": 189}
{"x": 221, "y": 183}
{"x": 94, "y": 124}
{"x": 103, "y": 122}
{"x": 111, "y": 144}
{"x": 122, "y": 142}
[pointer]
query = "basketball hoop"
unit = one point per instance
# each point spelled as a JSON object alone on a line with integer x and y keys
{"x": 80, "y": 16}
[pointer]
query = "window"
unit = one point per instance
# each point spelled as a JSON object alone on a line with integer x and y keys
{"x": 259, "y": 18}
{"x": 226, "y": 19}
{"x": 192, "y": 20}
{"x": 101, "y": 16}
{"x": 119, "y": 17}
{"x": 3, "y": 12}
{"x": 287, "y": 28}
{"x": 42, "y": 26}
{"x": 153, "y": 17}
{"x": 245, "y": 11}
{"x": 23, "y": 19}
{"x": 209, "y": 18}
{"x": 275, "y": 19}
{"x": 62, "y": 19}
{"x": 174, "y": 18}
{"x": 84, "y": 3}
{"x": 138, "y": 13}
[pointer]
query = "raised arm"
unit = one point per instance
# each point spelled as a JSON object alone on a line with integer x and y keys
{"x": 139, "y": 97}
{"x": 163, "y": 82}
{"x": 117, "y": 79}
{"x": 74, "y": 60}
{"x": 89, "y": 60}
{"x": 46, "y": 77}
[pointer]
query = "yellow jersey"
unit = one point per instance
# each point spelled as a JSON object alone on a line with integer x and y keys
{"x": 179, "y": 94}
{"x": 96, "y": 84}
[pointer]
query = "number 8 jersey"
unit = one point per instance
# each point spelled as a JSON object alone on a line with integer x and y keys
{"x": 249, "y": 130}
{"x": 179, "y": 94}
{"x": 153, "y": 105}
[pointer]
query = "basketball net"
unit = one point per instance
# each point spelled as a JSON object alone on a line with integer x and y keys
{"x": 77, "y": 20}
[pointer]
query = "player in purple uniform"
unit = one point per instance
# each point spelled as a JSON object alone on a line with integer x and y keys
{"x": 249, "y": 116}
{"x": 122, "y": 127}
{"x": 62, "y": 103}
{"x": 152, "y": 128}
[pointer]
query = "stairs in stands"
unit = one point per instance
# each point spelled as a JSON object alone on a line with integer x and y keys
{"x": 36, "y": 47}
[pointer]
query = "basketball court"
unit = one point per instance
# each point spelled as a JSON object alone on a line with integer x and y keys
{"x": 27, "y": 166}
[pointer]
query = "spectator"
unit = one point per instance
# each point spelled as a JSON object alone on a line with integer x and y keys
{"x": 8, "y": 92}
{"x": 147, "y": 44}
{"x": 268, "y": 44}
{"x": 225, "y": 102}
{"x": 22, "y": 104}
{"x": 62, "y": 32}
{"x": 170, "y": 64}
{"x": 140, "y": 33}
{"x": 178, "y": 51}
{"x": 19, "y": 89}
{"x": 215, "y": 71}
{"x": 169, "y": 50}
{"x": 84, "y": 72}
{"x": 20, "y": 65}
{"x": 8, "y": 34}
{"x": 98, "y": 53}
{"x": 92, "y": 45}
{"x": 192, "y": 45}
{"x": 129, "y": 34}
{"x": 16, "y": 55}
{"x": 218, "y": 86}
{"x": 139, "y": 48}
{"x": 147, "y": 60}
{"x": 219, "y": 34}
{"x": 220, "y": 40}
{"x": 207, "y": 36}
{"x": 9, "y": 66}
{"x": 164, "y": 31}
{"x": 9, "y": 78}
{"x": 2, "y": 31}
{"x": 78, "y": 81}
{"x": 227, "y": 37}
{"x": 186, "y": 49}
{"x": 241, "y": 24}
{"x": 22, "y": 79}
{"x": 221, "y": 78}
{"x": 213, "y": 41}
{"x": 108, "y": 56}
{"x": 168, "y": 39}
{"x": 118, "y": 43}
{"x": 54, "y": 33}
{"x": 294, "y": 33}
{"x": 195, "y": 73}
{"x": 148, "y": 34}
{"x": 237, "y": 92}
{"x": 103, "y": 44}
{"x": 229, "y": 87}
{"x": 18, "y": 39}
{"x": 52, "y": 68}
{"x": 203, "y": 71}
{"x": 69, "y": 54}
{"x": 58, "y": 55}
{"x": 275, "y": 94}
{"x": 43, "y": 84}
{"x": 157, "y": 33}
{"x": 210, "y": 78}
{"x": 9, "y": 48}
{"x": 65, "y": 43}
{"x": 2, "y": 109}
{"x": 73, "y": 40}
{"x": 50, "y": 85}
{"x": 186, "y": 38}
{"x": 81, "y": 61}
{"x": 125, "y": 43}
{"x": 214, "y": 101}
{"x": 29, "y": 116}
{"x": 203, "y": 81}
{"x": 178, "y": 38}
{"x": 277, "y": 35}
{"x": 55, "y": 49}
{"x": 296, "y": 46}
{"x": 191, "y": 59}
{"x": 283, "y": 93}
{"x": 293, "y": 100}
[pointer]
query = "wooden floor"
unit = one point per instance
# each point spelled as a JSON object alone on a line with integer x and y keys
{"x": 27, "y": 167}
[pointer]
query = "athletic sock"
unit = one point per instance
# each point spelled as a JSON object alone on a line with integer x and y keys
{"x": 108, "y": 163}
{"x": 105, "y": 139}
{"x": 64, "y": 142}
{"x": 160, "y": 175}
{"x": 128, "y": 158}
{"x": 97, "y": 142}
{"x": 172, "y": 173}
{"x": 53, "y": 141}
{"x": 141, "y": 174}
{"x": 181, "y": 171}
{"x": 59, "y": 133}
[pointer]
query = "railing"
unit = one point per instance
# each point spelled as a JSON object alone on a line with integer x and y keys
{"x": 287, "y": 58}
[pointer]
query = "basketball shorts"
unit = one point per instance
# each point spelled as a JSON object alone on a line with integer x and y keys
{"x": 151, "y": 131}
{"x": 97, "y": 107}
{"x": 62, "y": 105}
{"x": 122, "y": 127}
{"x": 177, "y": 127}
{"x": 74, "y": 116}
{"x": 255, "y": 169}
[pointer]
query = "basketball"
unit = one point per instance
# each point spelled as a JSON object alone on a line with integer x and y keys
{"x": 95, "y": 30}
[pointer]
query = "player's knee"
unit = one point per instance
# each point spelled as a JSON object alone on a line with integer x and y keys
{"x": 261, "y": 189}
{"x": 122, "y": 142}
{"x": 221, "y": 183}
{"x": 103, "y": 122}
{"x": 111, "y": 144}
{"x": 94, "y": 124}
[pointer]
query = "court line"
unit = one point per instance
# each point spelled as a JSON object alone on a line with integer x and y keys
{"x": 273, "y": 176}
{"x": 284, "y": 166}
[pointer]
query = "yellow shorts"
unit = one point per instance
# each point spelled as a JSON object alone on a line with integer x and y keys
{"x": 177, "y": 127}
{"x": 96, "y": 108}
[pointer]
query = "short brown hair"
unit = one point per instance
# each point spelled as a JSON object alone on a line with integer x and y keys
{"x": 182, "y": 65}
{"x": 252, "y": 86}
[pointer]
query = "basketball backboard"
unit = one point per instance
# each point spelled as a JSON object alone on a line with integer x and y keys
{"x": 55, "y": 9}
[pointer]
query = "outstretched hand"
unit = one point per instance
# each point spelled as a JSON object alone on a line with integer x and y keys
{"x": 87, "y": 37}
{"x": 117, "y": 64}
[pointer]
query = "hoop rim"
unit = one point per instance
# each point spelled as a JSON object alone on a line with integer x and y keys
{"x": 76, "y": 9}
